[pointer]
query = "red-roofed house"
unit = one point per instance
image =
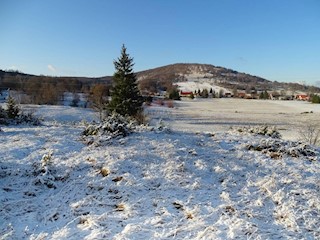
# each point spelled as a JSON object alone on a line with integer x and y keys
{"x": 185, "y": 93}
{"x": 302, "y": 97}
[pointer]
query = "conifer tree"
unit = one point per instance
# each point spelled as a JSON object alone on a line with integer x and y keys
{"x": 125, "y": 95}
{"x": 204, "y": 93}
{"x": 174, "y": 94}
{"x": 12, "y": 108}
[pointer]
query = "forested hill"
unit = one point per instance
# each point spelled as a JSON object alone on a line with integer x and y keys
{"x": 20, "y": 81}
{"x": 159, "y": 78}
{"x": 221, "y": 76}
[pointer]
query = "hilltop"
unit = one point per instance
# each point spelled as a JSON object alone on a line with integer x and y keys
{"x": 192, "y": 71}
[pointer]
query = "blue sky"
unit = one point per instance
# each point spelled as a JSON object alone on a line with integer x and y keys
{"x": 275, "y": 39}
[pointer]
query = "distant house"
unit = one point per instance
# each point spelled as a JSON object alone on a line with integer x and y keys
{"x": 302, "y": 97}
{"x": 186, "y": 93}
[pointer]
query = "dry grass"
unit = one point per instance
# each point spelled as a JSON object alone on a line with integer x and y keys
{"x": 104, "y": 171}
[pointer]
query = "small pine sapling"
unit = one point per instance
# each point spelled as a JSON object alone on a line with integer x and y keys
{"x": 46, "y": 161}
{"x": 13, "y": 109}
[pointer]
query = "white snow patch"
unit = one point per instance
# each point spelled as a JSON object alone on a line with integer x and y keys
{"x": 195, "y": 86}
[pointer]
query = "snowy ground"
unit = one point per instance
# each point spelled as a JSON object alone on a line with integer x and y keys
{"x": 220, "y": 114}
{"x": 183, "y": 184}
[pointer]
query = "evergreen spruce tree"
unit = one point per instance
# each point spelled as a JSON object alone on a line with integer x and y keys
{"x": 125, "y": 95}
{"x": 264, "y": 95}
{"x": 12, "y": 108}
{"x": 205, "y": 93}
{"x": 174, "y": 94}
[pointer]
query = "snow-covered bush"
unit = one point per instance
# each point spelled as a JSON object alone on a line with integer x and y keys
{"x": 29, "y": 118}
{"x": 113, "y": 125}
{"x": 117, "y": 126}
{"x": 21, "y": 118}
{"x": 12, "y": 114}
{"x": 259, "y": 130}
{"x": 276, "y": 148}
{"x": 44, "y": 171}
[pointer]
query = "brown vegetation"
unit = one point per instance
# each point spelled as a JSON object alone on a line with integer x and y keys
{"x": 45, "y": 89}
{"x": 99, "y": 97}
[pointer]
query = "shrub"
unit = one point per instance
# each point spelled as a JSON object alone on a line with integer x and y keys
{"x": 12, "y": 108}
{"x": 174, "y": 94}
{"x": 310, "y": 134}
{"x": 44, "y": 171}
{"x": 114, "y": 125}
{"x": 28, "y": 118}
{"x": 13, "y": 115}
{"x": 277, "y": 148}
{"x": 260, "y": 130}
{"x": 315, "y": 99}
{"x": 99, "y": 98}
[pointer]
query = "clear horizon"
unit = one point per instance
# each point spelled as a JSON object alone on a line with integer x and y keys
{"x": 275, "y": 40}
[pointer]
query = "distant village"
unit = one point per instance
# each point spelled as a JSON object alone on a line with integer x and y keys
{"x": 273, "y": 95}
{"x": 82, "y": 99}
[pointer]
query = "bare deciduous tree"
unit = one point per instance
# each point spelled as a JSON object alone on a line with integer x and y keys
{"x": 99, "y": 98}
{"x": 310, "y": 134}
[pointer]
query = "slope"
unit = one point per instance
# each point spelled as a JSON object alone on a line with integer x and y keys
{"x": 167, "y": 75}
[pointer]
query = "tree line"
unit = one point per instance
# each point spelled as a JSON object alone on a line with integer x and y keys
{"x": 45, "y": 89}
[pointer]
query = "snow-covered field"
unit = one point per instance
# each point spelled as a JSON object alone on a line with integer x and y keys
{"x": 220, "y": 114}
{"x": 197, "y": 181}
